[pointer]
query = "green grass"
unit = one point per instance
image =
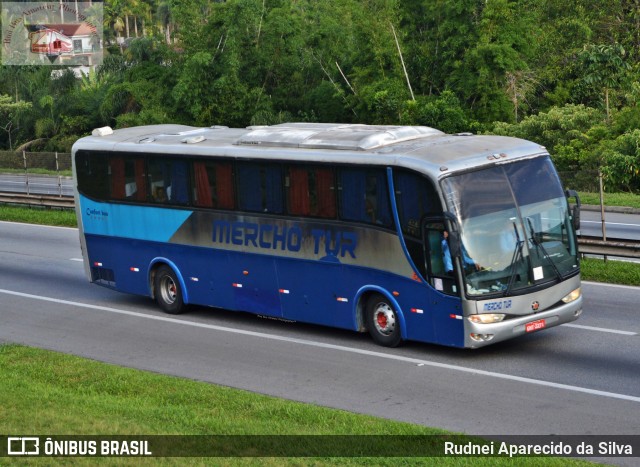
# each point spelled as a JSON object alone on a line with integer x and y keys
{"x": 611, "y": 199}
{"x": 613, "y": 272}
{"x": 48, "y": 393}
{"x": 37, "y": 171}
{"x": 58, "y": 217}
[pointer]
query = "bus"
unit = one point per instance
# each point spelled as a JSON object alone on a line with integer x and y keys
{"x": 404, "y": 232}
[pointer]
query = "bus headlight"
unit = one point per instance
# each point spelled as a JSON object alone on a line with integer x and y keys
{"x": 572, "y": 296}
{"x": 487, "y": 318}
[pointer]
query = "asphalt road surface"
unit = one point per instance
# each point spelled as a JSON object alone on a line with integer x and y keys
{"x": 36, "y": 184}
{"x": 618, "y": 225}
{"x": 580, "y": 378}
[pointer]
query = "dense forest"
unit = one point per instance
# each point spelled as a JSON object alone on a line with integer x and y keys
{"x": 564, "y": 73}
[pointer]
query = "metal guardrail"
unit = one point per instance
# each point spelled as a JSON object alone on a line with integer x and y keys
{"x": 587, "y": 245}
{"x": 610, "y": 247}
{"x": 46, "y": 201}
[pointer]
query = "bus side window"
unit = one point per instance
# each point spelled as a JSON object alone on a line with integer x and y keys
{"x": 325, "y": 191}
{"x": 127, "y": 178}
{"x": 364, "y": 196}
{"x": 260, "y": 187}
{"x": 311, "y": 192}
{"x": 92, "y": 169}
{"x": 439, "y": 278}
{"x": 213, "y": 184}
{"x": 298, "y": 191}
{"x": 436, "y": 254}
{"x": 169, "y": 181}
{"x": 415, "y": 197}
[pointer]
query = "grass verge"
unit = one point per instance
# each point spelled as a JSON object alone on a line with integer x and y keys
{"x": 613, "y": 272}
{"x": 37, "y": 171}
{"x": 611, "y": 199}
{"x": 48, "y": 393}
{"x": 58, "y": 217}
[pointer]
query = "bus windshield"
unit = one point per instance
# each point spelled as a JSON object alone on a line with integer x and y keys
{"x": 515, "y": 228}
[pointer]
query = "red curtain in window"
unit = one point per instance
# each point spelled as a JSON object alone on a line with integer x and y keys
{"x": 325, "y": 187}
{"x": 116, "y": 164}
{"x": 141, "y": 185}
{"x": 299, "y": 202}
{"x": 224, "y": 186}
{"x": 203, "y": 189}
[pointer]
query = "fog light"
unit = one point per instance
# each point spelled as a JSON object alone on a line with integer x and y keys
{"x": 481, "y": 337}
{"x": 487, "y": 318}
{"x": 572, "y": 296}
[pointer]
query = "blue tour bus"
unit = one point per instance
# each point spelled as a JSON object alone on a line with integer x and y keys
{"x": 403, "y": 232}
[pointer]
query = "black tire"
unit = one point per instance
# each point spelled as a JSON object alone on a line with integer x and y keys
{"x": 168, "y": 292}
{"x": 382, "y": 322}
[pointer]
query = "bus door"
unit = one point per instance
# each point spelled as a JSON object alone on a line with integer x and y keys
{"x": 437, "y": 255}
{"x": 446, "y": 306}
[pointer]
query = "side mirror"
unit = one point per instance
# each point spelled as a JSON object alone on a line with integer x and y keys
{"x": 575, "y": 211}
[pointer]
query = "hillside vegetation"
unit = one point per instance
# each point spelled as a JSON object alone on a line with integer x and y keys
{"x": 560, "y": 72}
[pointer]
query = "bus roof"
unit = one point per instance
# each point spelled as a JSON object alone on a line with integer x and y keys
{"x": 417, "y": 147}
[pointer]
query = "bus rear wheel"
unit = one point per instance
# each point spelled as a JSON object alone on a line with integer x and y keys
{"x": 168, "y": 292}
{"x": 382, "y": 322}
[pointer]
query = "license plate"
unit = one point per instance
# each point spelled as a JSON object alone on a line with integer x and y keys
{"x": 535, "y": 325}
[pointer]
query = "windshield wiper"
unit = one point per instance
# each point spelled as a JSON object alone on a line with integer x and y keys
{"x": 545, "y": 253}
{"x": 517, "y": 254}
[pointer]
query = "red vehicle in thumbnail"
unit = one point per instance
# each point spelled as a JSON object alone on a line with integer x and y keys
{"x": 45, "y": 40}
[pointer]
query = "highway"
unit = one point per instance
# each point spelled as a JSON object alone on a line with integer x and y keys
{"x": 37, "y": 184}
{"x": 580, "y": 378}
{"x": 618, "y": 225}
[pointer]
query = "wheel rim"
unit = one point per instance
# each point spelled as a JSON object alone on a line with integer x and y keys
{"x": 384, "y": 319}
{"x": 168, "y": 290}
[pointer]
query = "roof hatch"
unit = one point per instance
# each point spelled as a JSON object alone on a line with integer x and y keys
{"x": 333, "y": 136}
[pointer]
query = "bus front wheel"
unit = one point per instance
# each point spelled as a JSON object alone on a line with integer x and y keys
{"x": 168, "y": 292}
{"x": 382, "y": 322}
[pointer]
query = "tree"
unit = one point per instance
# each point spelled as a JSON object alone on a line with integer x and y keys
{"x": 443, "y": 112}
{"x": 9, "y": 111}
{"x": 604, "y": 67}
{"x": 519, "y": 85}
{"x": 503, "y": 46}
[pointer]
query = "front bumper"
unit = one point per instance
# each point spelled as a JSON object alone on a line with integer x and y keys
{"x": 514, "y": 327}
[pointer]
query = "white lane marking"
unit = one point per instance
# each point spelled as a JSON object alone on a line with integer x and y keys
{"x": 340, "y": 348}
{"x": 28, "y": 224}
{"x": 606, "y": 284}
{"x": 76, "y": 259}
{"x": 609, "y": 223}
{"x": 593, "y": 328}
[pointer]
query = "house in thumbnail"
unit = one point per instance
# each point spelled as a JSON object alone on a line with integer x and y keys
{"x": 64, "y": 40}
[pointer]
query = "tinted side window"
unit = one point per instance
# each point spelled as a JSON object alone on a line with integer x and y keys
{"x": 127, "y": 178}
{"x": 260, "y": 187}
{"x": 92, "y": 171}
{"x": 311, "y": 191}
{"x": 169, "y": 181}
{"x": 364, "y": 196}
{"x": 212, "y": 183}
{"x": 415, "y": 198}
